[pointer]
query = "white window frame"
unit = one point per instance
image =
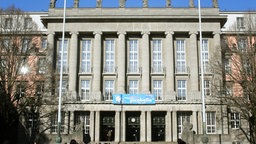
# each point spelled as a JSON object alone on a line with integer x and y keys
{"x": 25, "y": 45}
{"x": 181, "y": 118}
{"x": 181, "y": 56}
{"x": 157, "y": 55}
{"x": 54, "y": 123}
{"x": 235, "y": 120}
{"x": 240, "y": 22}
{"x": 86, "y": 56}
{"x": 158, "y": 89}
{"x": 242, "y": 44}
{"x": 85, "y": 90}
{"x": 133, "y": 56}
{"x": 227, "y": 64}
{"x": 181, "y": 90}
{"x": 44, "y": 43}
{"x": 41, "y": 65}
{"x": 65, "y": 56}
{"x": 210, "y": 122}
{"x": 205, "y": 54}
{"x": 133, "y": 86}
{"x": 84, "y": 118}
{"x": 27, "y": 23}
{"x": 109, "y": 56}
{"x": 207, "y": 87}
{"x": 8, "y": 23}
{"x": 109, "y": 88}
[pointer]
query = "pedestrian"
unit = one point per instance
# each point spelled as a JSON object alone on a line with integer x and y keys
{"x": 73, "y": 142}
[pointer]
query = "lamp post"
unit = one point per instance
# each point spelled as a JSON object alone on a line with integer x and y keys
{"x": 58, "y": 138}
{"x": 204, "y": 138}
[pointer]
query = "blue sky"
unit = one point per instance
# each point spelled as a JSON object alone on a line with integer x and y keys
{"x": 43, "y": 5}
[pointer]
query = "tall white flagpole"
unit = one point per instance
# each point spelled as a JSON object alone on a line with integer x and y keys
{"x": 59, "y": 139}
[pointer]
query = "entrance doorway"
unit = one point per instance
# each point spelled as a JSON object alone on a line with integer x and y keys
{"x": 132, "y": 126}
{"x": 158, "y": 126}
{"x": 107, "y": 126}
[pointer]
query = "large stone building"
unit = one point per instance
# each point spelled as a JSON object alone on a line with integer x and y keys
{"x": 135, "y": 52}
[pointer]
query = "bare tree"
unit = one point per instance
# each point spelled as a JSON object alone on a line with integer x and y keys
{"x": 21, "y": 73}
{"x": 238, "y": 70}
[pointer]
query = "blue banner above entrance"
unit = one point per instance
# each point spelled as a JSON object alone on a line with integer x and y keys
{"x": 134, "y": 99}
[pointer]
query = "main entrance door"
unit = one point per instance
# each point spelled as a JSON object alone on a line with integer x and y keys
{"x": 132, "y": 126}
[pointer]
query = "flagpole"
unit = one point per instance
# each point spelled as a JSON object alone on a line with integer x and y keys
{"x": 58, "y": 138}
{"x": 204, "y": 138}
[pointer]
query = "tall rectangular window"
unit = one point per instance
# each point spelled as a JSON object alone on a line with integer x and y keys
{"x": 85, "y": 90}
{"x": 109, "y": 56}
{"x": 210, "y": 122}
{"x": 158, "y": 89}
{"x": 207, "y": 87}
{"x": 86, "y": 56}
{"x": 27, "y": 23}
{"x": 65, "y": 56}
{"x": 63, "y": 88}
{"x": 240, "y": 22}
{"x": 181, "y": 90}
{"x": 41, "y": 65}
{"x": 109, "y": 89}
{"x": 54, "y": 123}
{"x": 227, "y": 64}
{"x": 235, "y": 120}
{"x": 180, "y": 56}
{"x": 44, "y": 44}
{"x": 205, "y": 54}
{"x": 133, "y": 56}
{"x": 39, "y": 88}
{"x": 25, "y": 45}
{"x": 242, "y": 44}
{"x": 182, "y": 117}
{"x": 8, "y": 23}
{"x": 83, "y": 118}
{"x": 157, "y": 56}
{"x": 133, "y": 87}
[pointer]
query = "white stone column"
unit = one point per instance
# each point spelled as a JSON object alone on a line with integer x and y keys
{"x": 168, "y": 125}
{"x": 92, "y": 125}
{"x": 143, "y": 126}
{"x": 72, "y": 118}
{"x": 73, "y": 63}
{"x": 194, "y": 121}
{"x": 200, "y": 123}
{"x": 97, "y": 126}
{"x": 123, "y": 127}
{"x": 174, "y": 126}
{"x": 117, "y": 126}
{"x": 97, "y": 50}
{"x": 145, "y": 62}
{"x": 149, "y": 128}
{"x": 49, "y": 61}
{"x": 217, "y": 42}
{"x": 193, "y": 61}
{"x": 66, "y": 123}
{"x": 121, "y": 62}
{"x": 169, "y": 64}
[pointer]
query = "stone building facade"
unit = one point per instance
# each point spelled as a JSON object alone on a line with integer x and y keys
{"x": 135, "y": 51}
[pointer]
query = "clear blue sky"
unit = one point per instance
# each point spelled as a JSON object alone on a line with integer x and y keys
{"x": 43, "y": 5}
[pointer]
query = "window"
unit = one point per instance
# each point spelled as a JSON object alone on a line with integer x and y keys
{"x": 133, "y": 56}
{"x": 6, "y": 44}
{"x": 42, "y": 65}
{"x": 110, "y": 56}
{"x": 86, "y": 56}
{"x": 65, "y": 56}
{"x": 180, "y": 56}
{"x": 207, "y": 88}
{"x": 247, "y": 67}
{"x": 21, "y": 90}
{"x": 205, "y": 54}
{"x": 157, "y": 56}
{"x": 44, "y": 44}
{"x": 235, "y": 120}
{"x": 83, "y": 119}
{"x": 25, "y": 45}
{"x": 8, "y": 23}
{"x": 227, "y": 64}
{"x": 54, "y": 123}
{"x": 181, "y": 90}
{"x": 133, "y": 87}
{"x": 109, "y": 89}
{"x": 242, "y": 44}
{"x": 27, "y": 23}
{"x": 85, "y": 90}
{"x": 210, "y": 122}
{"x": 158, "y": 89}
{"x": 39, "y": 88}
{"x": 64, "y": 87}
{"x": 182, "y": 117}
{"x": 228, "y": 89}
{"x": 240, "y": 22}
